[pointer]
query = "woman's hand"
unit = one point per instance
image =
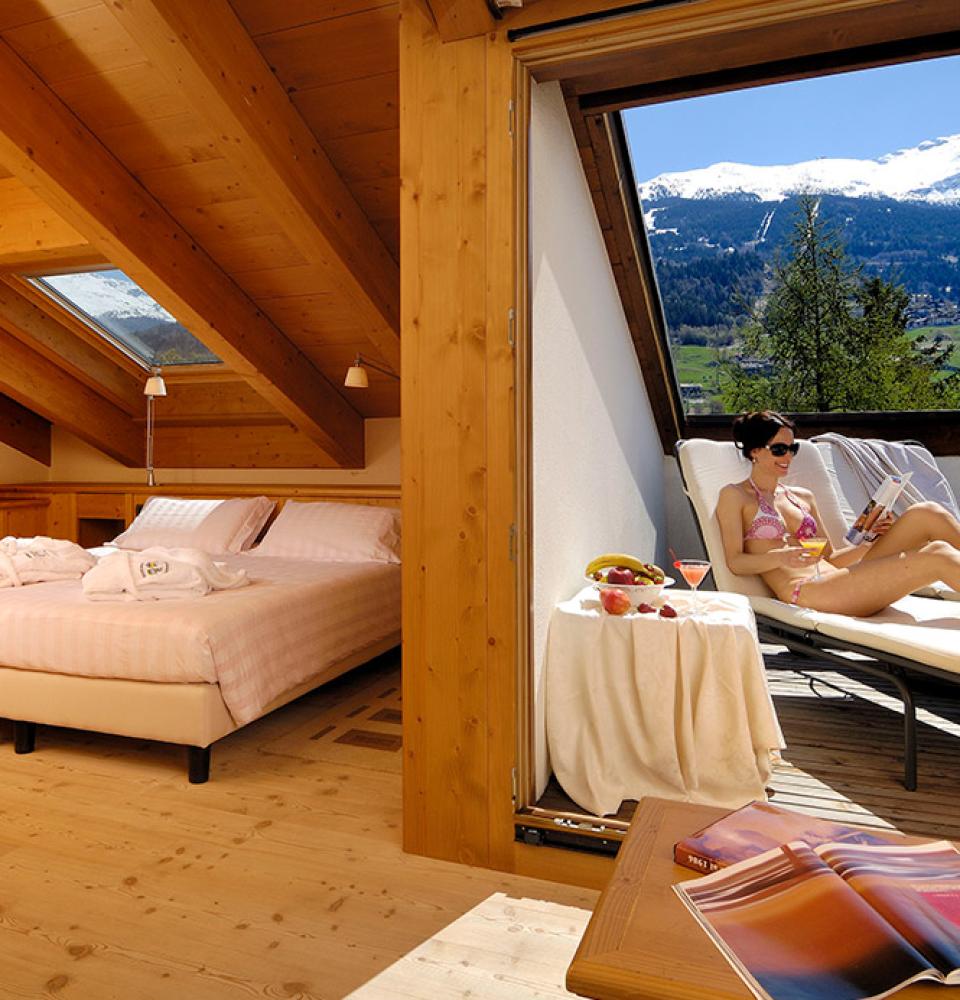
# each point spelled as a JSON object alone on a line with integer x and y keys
{"x": 884, "y": 524}
{"x": 793, "y": 555}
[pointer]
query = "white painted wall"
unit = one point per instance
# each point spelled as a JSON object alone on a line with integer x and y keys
{"x": 76, "y": 461}
{"x": 598, "y": 471}
{"x": 15, "y": 467}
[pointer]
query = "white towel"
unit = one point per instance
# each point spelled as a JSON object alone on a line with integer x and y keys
{"x": 158, "y": 574}
{"x": 872, "y": 460}
{"x": 36, "y": 560}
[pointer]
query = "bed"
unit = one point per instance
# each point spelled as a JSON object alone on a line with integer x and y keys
{"x": 190, "y": 671}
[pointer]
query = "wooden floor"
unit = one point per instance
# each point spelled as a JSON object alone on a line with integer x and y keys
{"x": 281, "y": 878}
{"x": 844, "y": 756}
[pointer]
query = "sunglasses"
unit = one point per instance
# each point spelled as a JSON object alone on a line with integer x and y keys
{"x": 779, "y": 449}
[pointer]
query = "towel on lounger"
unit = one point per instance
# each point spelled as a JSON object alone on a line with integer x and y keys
{"x": 36, "y": 560}
{"x": 157, "y": 575}
{"x": 872, "y": 460}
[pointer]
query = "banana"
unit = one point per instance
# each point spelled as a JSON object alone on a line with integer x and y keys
{"x": 614, "y": 559}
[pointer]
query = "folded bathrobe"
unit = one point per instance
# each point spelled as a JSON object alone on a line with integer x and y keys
{"x": 36, "y": 560}
{"x": 158, "y": 574}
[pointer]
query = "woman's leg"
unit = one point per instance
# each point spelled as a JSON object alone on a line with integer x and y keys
{"x": 919, "y": 524}
{"x": 870, "y": 585}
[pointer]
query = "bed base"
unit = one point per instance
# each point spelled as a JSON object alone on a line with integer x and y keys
{"x": 192, "y": 715}
{"x": 898, "y": 670}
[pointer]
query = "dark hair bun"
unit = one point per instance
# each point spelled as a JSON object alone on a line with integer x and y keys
{"x": 755, "y": 429}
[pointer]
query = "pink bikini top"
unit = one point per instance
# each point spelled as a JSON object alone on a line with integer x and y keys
{"x": 768, "y": 524}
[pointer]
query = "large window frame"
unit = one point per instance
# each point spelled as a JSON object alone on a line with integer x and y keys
{"x": 604, "y": 148}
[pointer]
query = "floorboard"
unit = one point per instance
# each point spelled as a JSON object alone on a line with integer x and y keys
{"x": 282, "y": 877}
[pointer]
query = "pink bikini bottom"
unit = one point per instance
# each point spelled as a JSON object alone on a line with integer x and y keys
{"x": 795, "y": 593}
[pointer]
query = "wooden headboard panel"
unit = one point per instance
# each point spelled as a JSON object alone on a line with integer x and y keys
{"x": 79, "y": 510}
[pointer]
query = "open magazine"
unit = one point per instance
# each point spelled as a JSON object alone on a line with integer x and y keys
{"x": 836, "y": 922}
{"x": 883, "y": 499}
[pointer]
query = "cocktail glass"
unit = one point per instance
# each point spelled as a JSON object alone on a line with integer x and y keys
{"x": 815, "y": 547}
{"x": 693, "y": 571}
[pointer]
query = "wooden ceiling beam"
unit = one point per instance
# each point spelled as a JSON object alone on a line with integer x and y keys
{"x": 24, "y": 430}
{"x": 48, "y": 390}
{"x": 55, "y": 155}
{"x": 43, "y": 333}
{"x": 208, "y": 56}
{"x": 30, "y": 231}
{"x": 456, "y": 19}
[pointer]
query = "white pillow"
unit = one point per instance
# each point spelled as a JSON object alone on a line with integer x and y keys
{"x": 336, "y": 532}
{"x": 215, "y": 526}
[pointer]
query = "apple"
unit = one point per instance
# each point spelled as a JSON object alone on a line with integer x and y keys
{"x": 615, "y": 601}
{"x": 620, "y": 574}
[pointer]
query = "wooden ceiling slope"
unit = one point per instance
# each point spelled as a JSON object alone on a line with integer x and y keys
{"x": 260, "y": 207}
{"x": 24, "y": 430}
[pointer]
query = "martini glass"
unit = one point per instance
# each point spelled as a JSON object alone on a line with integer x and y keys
{"x": 815, "y": 546}
{"x": 693, "y": 571}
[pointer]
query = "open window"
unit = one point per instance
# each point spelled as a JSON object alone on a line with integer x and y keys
{"x": 123, "y": 314}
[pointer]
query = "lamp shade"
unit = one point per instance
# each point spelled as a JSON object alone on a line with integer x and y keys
{"x": 155, "y": 386}
{"x": 356, "y": 377}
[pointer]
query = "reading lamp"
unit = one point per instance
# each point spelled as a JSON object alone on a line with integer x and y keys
{"x": 155, "y": 387}
{"x": 357, "y": 373}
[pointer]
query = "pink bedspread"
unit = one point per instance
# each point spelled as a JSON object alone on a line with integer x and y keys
{"x": 296, "y": 618}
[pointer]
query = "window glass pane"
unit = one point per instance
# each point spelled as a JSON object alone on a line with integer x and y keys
{"x": 806, "y": 240}
{"x": 112, "y": 302}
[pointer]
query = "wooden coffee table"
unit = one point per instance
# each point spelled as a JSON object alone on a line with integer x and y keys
{"x": 641, "y": 941}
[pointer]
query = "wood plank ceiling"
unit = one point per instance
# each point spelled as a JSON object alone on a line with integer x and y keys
{"x": 240, "y": 160}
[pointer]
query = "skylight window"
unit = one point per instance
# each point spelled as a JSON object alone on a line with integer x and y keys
{"x": 120, "y": 311}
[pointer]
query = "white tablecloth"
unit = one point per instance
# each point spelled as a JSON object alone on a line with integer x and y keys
{"x": 642, "y": 705}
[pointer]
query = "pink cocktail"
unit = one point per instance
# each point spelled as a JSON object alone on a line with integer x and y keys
{"x": 693, "y": 571}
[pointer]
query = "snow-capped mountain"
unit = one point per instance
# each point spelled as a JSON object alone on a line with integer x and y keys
{"x": 927, "y": 173}
{"x": 109, "y": 294}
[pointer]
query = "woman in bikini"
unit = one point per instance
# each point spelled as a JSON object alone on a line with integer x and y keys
{"x": 762, "y": 522}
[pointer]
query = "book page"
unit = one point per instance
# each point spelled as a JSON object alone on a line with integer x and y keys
{"x": 916, "y": 889}
{"x": 796, "y": 931}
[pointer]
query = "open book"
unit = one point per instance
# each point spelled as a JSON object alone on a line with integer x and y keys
{"x": 838, "y": 922}
{"x": 883, "y": 499}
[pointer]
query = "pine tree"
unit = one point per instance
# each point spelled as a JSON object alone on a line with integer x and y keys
{"x": 828, "y": 339}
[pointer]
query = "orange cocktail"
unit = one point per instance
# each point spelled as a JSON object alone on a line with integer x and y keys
{"x": 693, "y": 571}
{"x": 815, "y": 546}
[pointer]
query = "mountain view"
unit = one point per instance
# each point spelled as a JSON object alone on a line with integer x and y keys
{"x": 123, "y": 309}
{"x": 716, "y": 232}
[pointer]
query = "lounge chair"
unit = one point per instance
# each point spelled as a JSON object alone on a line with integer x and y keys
{"x": 914, "y": 638}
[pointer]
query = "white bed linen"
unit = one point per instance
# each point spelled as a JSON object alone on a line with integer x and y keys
{"x": 296, "y": 617}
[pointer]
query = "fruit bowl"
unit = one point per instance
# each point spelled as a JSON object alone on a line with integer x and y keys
{"x": 639, "y": 593}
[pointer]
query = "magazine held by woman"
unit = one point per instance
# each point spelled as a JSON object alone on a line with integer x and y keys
{"x": 836, "y": 922}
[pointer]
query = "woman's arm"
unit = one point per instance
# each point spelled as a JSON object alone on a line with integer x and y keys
{"x": 730, "y": 517}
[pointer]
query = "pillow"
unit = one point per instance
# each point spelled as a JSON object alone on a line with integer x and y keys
{"x": 210, "y": 525}
{"x": 336, "y": 532}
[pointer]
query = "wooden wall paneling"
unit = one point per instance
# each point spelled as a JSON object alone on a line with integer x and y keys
{"x": 41, "y": 331}
{"x": 14, "y": 13}
{"x": 365, "y": 44}
{"x": 132, "y": 93}
{"x": 447, "y": 724}
{"x": 30, "y": 229}
{"x": 261, "y": 17}
{"x": 170, "y": 142}
{"x": 366, "y": 157}
{"x": 457, "y": 19}
{"x": 23, "y": 430}
{"x": 261, "y": 446}
{"x": 48, "y": 390}
{"x": 214, "y": 61}
{"x": 208, "y": 182}
{"x": 42, "y": 142}
{"x": 351, "y": 107}
{"x": 23, "y": 518}
{"x": 74, "y": 44}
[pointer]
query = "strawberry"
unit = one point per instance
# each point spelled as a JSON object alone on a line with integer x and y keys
{"x": 667, "y": 612}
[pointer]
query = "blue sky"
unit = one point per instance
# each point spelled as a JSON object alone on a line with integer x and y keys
{"x": 863, "y": 114}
